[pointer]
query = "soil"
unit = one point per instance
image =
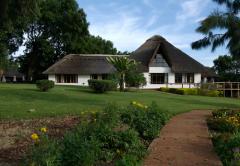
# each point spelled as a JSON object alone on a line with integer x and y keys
{"x": 184, "y": 141}
{"x": 15, "y": 135}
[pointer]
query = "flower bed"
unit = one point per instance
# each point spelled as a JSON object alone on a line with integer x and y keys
{"x": 224, "y": 126}
{"x": 116, "y": 136}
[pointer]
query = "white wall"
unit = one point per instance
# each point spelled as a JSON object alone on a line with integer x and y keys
{"x": 171, "y": 79}
{"x": 197, "y": 78}
{"x": 82, "y": 80}
{"x": 52, "y": 78}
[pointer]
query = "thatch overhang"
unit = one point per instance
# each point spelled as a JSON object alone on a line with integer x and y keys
{"x": 178, "y": 61}
{"x": 83, "y": 64}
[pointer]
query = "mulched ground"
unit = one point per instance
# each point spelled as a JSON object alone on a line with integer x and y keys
{"x": 15, "y": 135}
{"x": 184, "y": 141}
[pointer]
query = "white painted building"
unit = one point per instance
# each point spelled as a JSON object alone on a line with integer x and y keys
{"x": 162, "y": 64}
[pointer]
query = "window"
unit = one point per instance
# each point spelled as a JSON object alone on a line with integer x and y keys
{"x": 190, "y": 78}
{"x": 67, "y": 78}
{"x": 105, "y": 76}
{"x": 159, "y": 78}
{"x": 178, "y": 78}
{"x": 94, "y": 76}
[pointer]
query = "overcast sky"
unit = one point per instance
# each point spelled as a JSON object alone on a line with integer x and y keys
{"x": 129, "y": 23}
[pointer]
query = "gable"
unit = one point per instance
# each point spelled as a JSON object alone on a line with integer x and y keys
{"x": 158, "y": 61}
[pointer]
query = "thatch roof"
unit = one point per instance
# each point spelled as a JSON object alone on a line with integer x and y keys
{"x": 97, "y": 63}
{"x": 12, "y": 73}
{"x": 81, "y": 64}
{"x": 176, "y": 59}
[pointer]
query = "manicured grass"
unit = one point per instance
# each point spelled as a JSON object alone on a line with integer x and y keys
{"x": 17, "y": 99}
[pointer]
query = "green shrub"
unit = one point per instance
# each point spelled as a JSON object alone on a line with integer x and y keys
{"x": 190, "y": 91}
{"x": 147, "y": 121}
{"x": 135, "y": 79}
{"x": 44, "y": 85}
{"x": 115, "y": 136}
{"x": 101, "y": 86}
{"x": 210, "y": 93}
{"x": 221, "y": 125}
{"x": 164, "y": 89}
{"x": 79, "y": 148}
{"x": 46, "y": 152}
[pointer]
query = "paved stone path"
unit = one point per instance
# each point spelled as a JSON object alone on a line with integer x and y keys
{"x": 184, "y": 141}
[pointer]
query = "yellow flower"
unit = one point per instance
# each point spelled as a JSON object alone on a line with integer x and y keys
{"x": 43, "y": 129}
{"x": 34, "y": 136}
{"x": 134, "y": 102}
{"x": 118, "y": 151}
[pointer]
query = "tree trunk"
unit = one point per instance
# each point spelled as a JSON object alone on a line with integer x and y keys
{"x": 1, "y": 74}
{"x": 122, "y": 76}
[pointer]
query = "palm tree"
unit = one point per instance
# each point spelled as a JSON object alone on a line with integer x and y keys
{"x": 122, "y": 65}
{"x": 228, "y": 21}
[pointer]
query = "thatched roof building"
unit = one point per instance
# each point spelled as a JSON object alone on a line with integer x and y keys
{"x": 83, "y": 64}
{"x": 176, "y": 59}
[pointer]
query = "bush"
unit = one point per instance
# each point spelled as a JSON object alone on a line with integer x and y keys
{"x": 147, "y": 121}
{"x": 210, "y": 93}
{"x": 135, "y": 79}
{"x": 45, "y": 85}
{"x": 115, "y": 136}
{"x": 190, "y": 91}
{"x": 102, "y": 86}
{"x": 225, "y": 125}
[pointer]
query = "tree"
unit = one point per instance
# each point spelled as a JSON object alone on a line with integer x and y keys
{"x": 15, "y": 15}
{"x": 134, "y": 78}
{"x": 227, "y": 68}
{"x": 56, "y": 33}
{"x": 122, "y": 65}
{"x": 228, "y": 21}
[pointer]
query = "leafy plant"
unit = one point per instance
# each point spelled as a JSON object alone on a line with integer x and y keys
{"x": 44, "y": 85}
{"x": 102, "y": 86}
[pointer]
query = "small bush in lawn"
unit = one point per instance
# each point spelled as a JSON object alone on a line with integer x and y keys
{"x": 101, "y": 86}
{"x": 146, "y": 120}
{"x": 44, "y": 85}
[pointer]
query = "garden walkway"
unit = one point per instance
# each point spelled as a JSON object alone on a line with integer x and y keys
{"x": 184, "y": 141}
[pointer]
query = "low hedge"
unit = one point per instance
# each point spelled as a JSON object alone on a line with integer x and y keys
{"x": 192, "y": 91}
{"x": 102, "y": 86}
{"x": 44, "y": 85}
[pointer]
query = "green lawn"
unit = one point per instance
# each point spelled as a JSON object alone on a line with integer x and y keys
{"x": 17, "y": 99}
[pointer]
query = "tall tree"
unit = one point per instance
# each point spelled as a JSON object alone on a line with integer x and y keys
{"x": 122, "y": 65}
{"x": 15, "y": 15}
{"x": 228, "y": 21}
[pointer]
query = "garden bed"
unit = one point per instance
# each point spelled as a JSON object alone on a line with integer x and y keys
{"x": 224, "y": 128}
{"x": 114, "y": 136}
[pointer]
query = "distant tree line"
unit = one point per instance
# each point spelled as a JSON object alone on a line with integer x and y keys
{"x": 49, "y": 30}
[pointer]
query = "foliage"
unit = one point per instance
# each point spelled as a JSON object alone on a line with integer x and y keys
{"x": 45, "y": 85}
{"x": 228, "y": 21}
{"x": 44, "y": 152}
{"x": 192, "y": 91}
{"x": 227, "y": 68}
{"x": 123, "y": 65}
{"x": 15, "y": 16}
{"x": 102, "y": 86}
{"x": 146, "y": 120}
{"x": 225, "y": 125}
{"x": 98, "y": 141}
{"x": 134, "y": 78}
